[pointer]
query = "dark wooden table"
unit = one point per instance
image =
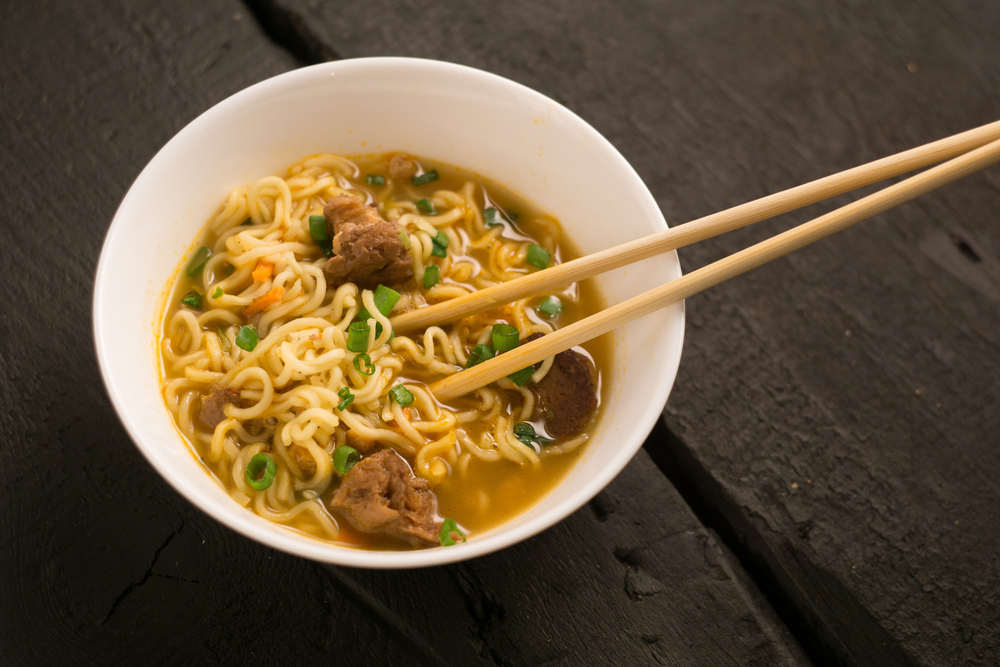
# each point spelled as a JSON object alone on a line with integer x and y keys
{"x": 824, "y": 486}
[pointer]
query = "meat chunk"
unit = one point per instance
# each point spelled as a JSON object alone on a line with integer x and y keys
{"x": 347, "y": 210}
{"x": 568, "y": 391}
{"x": 213, "y": 406}
{"x": 304, "y": 460}
{"x": 381, "y": 494}
{"x": 402, "y": 167}
{"x": 362, "y": 443}
{"x": 367, "y": 250}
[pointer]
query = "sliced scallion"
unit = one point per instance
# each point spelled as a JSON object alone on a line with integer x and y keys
{"x": 374, "y": 179}
{"x": 217, "y": 293}
{"x": 438, "y": 251}
{"x": 401, "y": 395}
{"x": 367, "y": 361}
{"x": 525, "y": 432}
{"x": 448, "y": 529}
{"x": 538, "y": 256}
{"x": 247, "y": 338}
{"x": 505, "y": 337}
{"x": 317, "y": 228}
{"x": 490, "y": 217}
{"x": 320, "y": 234}
{"x": 260, "y": 472}
{"x": 442, "y": 239}
{"x": 247, "y": 222}
{"x": 426, "y": 177}
{"x": 510, "y": 215}
{"x": 426, "y": 207}
{"x": 346, "y": 398}
{"x": 344, "y": 458}
{"x": 385, "y": 299}
{"x": 432, "y": 276}
{"x": 550, "y": 306}
{"x": 198, "y": 260}
{"x": 404, "y": 238}
{"x": 521, "y": 377}
{"x": 479, "y": 354}
{"x": 357, "y": 336}
{"x": 192, "y": 299}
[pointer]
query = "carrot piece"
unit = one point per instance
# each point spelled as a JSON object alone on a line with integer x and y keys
{"x": 262, "y": 272}
{"x": 262, "y": 302}
{"x": 406, "y": 412}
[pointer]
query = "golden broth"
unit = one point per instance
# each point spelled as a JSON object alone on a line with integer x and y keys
{"x": 477, "y": 494}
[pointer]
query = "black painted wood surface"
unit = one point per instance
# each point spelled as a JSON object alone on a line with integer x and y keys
{"x": 102, "y": 563}
{"x": 836, "y": 414}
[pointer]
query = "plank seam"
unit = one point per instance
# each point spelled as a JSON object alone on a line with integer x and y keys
{"x": 288, "y": 30}
{"x": 803, "y": 612}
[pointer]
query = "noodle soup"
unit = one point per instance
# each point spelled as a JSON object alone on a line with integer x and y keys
{"x": 283, "y": 372}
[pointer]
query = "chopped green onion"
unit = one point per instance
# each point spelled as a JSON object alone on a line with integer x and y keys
{"x": 217, "y": 293}
{"x": 505, "y": 337}
{"x": 426, "y": 177}
{"x": 490, "y": 217}
{"x": 372, "y": 179}
{"x": 320, "y": 234}
{"x": 357, "y": 336}
{"x": 525, "y": 432}
{"x": 479, "y": 354}
{"x": 247, "y": 222}
{"x": 401, "y": 395}
{"x": 368, "y": 364}
{"x": 521, "y": 377}
{"x": 449, "y": 528}
{"x": 438, "y": 251}
{"x": 224, "y": 340}
{"x": 344, "y": 458}
{"x": 404, "y": 238}
{"x": 426, "y": 207}
{"x": 538, "y": 256}
{"x": 198, "y": 260}
{"x": 346, "y": 396}
{"x": 385, "y": 299}
{"x": 247, "y": 338}
{"x": 512, "y": 216}
{"x": 192, "y": 299}
{"x": 260, "y": 472}
{"x": 432, "y": 276}
{"x": 442, "y": 239}
{"x": 550, "y": 306}
{"x": 317, "y": 228}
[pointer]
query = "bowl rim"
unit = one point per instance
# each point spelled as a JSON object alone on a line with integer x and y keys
{"x": 314, "y": 549}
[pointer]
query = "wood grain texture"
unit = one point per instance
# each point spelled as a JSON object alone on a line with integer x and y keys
{"x": 862, "y": 370}
{"x": 102, "y": 563}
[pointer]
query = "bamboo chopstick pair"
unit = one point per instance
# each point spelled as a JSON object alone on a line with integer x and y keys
{"x": 966, "y": 153}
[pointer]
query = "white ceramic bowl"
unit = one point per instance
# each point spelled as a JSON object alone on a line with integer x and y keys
{"x": 461, "y": 116}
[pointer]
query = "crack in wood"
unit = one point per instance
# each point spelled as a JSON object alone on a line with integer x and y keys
{"x": 149, "y": 573}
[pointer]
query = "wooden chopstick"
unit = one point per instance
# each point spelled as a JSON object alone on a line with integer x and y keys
{"x": 697, "y": 230}
{"x": 713, "y": 274}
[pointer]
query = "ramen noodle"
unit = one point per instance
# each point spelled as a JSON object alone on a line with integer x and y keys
{"x": 282, "y": 370}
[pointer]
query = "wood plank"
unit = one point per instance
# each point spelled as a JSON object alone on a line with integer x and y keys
{"x": 102, "y": 563}
{"x": 863, "y": 370}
